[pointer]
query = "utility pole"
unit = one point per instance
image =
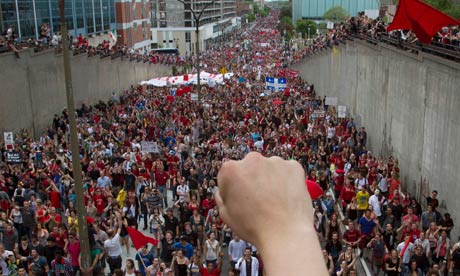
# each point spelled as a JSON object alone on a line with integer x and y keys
{"x": 197, "y": 18}
{"x": 77, "y": 171}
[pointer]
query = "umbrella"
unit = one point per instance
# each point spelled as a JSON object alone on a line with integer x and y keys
{"x": 314, "y": 189}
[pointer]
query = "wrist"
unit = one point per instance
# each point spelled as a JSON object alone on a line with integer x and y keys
{"x": 295, "y": 240}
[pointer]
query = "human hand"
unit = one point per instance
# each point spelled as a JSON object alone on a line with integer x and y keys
{"x": 257, "y": 193}
{"x": 266, "y": 202}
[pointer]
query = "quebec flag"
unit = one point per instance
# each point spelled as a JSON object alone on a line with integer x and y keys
{"x": 270, "y": 83}
{"x": 278, "y": 84}
{"x": 281, "y": 84}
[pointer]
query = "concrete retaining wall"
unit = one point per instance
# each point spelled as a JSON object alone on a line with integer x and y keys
{"x": 32, "y": 88}
{"x": 409, "y": 105}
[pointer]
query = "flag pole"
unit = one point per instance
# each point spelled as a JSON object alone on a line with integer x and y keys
{"x": 142, "y": 261}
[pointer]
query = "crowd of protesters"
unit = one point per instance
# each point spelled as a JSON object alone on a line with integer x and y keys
{"x": 169, "y": 191}
{"x": 447, "y": 36}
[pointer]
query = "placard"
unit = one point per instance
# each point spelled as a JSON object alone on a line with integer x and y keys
{"x": 9, "y": 140}
{"x": 331, "y": 101}
{"x": 342, "y": 111}
{"x": 147, "y": 146}
{"x": 194, "y": 96}
{"x": 13, "y": 157}
{"x": 319, "y": 114}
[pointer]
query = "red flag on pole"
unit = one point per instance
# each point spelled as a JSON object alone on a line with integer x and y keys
{"x": 406, "y": 244}
{"x": 424, "y": 20}
{"x": 140, "y": 239}
{"x": 314, "y": 189}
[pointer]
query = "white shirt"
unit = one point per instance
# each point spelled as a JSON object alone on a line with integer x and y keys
{"x": 374, "y": 201}
{"x": 113, "y": 246}
{"x": 241, "y": 266}
{"x": 361, "y": 182}
{"x": 407, "y": 253}
{"x": 259, "y": 144}
{"x": 236, "y": 249}
{"x": 182, "y": 191}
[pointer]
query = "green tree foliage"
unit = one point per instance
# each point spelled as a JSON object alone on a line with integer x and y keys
{"x": 336, "y": 14}
{"x": 302, "y": 26}
{"x": 446, "y": 6}
{"x": 251, "y": 17}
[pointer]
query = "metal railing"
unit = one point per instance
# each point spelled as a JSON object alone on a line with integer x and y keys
{"x": 443, "y": 50}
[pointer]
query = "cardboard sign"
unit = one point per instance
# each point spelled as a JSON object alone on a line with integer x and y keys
{"x": 9, "y": 140}
{"x": 194, "y": 96}
{"x": 13, "y": 157}
{"x": 147, "y": 146}
{"x": 319, "y": 114}
{"x": 342, "y": 111}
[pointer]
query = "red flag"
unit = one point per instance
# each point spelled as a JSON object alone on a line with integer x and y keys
{"x": 170, "y": 98}
{"x": 140, "y": 239}
{"x": 406, "y": 244}
{"x": 314, "y": 189}
{"x": 424, "y": 20}
{"x": 187, "y": 89}
{"x": 277, "y": 102}
{"x": 180, "y": 92}
{"x": 186, "y": 77}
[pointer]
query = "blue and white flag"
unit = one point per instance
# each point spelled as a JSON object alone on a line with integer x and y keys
{"x": 281, "y": 84}
{"x": 278, "y": 84}
{"x": 173, "y": 92}
{"x": 270, "y": 83}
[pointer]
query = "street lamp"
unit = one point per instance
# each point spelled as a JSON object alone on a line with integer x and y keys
{"x": 197, "y": 18}
{"x": 308, "y": 32}
{"x": 74, "y": 146}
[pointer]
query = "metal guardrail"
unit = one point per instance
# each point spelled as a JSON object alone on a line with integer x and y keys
{"x": 447, "y": 51}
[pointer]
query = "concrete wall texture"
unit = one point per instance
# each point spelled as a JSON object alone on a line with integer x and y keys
{"x": 32, "y": 88}
{"x": 409, "y": 106}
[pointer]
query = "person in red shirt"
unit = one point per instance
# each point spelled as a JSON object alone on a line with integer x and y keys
{"x": 207, "y": 204}
{"x": 54, "y": 195}
{"x": 60, "y": 237}
{"x": 210, "y": 270}
{"x": 161, "y": 178}
{"x": 99, "y": 201}
{"x": 352, "y": 236}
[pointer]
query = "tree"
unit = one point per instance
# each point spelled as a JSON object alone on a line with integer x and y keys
{"x": 251, "y": 17}
{"x": 446, "y": 6}
{"x": 336, "y": 14}
{"x": 302, "y": 26}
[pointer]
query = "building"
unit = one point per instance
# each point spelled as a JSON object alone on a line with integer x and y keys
{"x": 86, "y": 17}
{"x": 315, "y": 9}
{"x": 173, "y": 25}
{"x": 243, "y": 8}
{"x": 260, "y": 3}
{"x": 133, "y": 23}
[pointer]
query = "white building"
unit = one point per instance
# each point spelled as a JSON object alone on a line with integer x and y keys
{"x": 173, "y": 25}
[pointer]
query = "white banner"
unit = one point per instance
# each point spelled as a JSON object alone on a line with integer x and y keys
{"x": 342, "y": 111}
{"x": 147, "y": 146}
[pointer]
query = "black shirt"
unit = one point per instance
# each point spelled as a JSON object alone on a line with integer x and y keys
{"x": 49, "y": 253}
{"x": 390, "y": 239}
{"x": 166, "y": 250}
{"x": 171, "y": 224}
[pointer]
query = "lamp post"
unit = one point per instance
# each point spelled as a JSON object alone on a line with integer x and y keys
{"x": 197, "y": 18}
{"x": 77, "y": 174}
{"x": 309, "y": 32}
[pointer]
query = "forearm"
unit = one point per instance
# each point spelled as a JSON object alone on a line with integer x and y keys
{"x": 304, "y": 251}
